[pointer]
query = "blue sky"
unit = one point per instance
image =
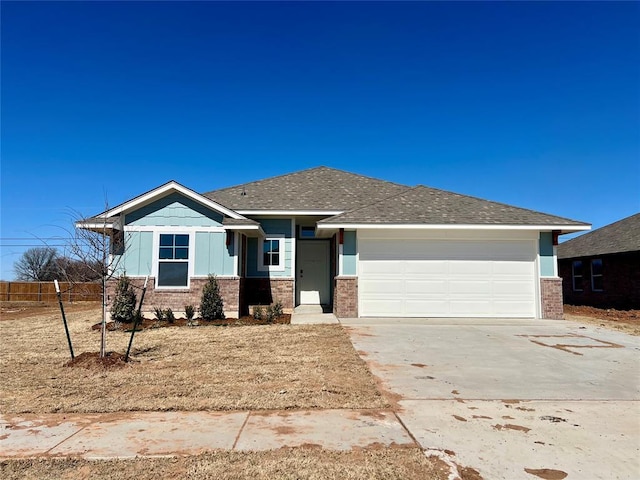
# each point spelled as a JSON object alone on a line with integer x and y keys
{"x": 531, "y": 104}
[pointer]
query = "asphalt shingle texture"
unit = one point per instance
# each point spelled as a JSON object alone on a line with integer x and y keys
{"x": 424, "y": 205}
{"x": 618, "y": 237}
{"x": 319, "y": 188}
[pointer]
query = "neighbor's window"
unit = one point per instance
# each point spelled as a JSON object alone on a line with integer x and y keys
{"x": 576, "y": 274}
{"x": 271, "y": 256}
{"x": 596, "y": 275}
{"x": 173, "y": 260}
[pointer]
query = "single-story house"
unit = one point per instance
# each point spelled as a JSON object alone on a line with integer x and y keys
{"x": 361, "y": 246}
{"x": 602, "y": 268}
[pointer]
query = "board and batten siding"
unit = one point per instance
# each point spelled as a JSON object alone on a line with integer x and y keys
{"x": 211, "y": 255}
{"x": 547, "y": 258}
{"x": 276, "y": 227}
{"x": 349, "y": 253}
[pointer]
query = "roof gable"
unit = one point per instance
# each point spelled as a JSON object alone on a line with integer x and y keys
{"x": 618, "y": 237}
{"x": 429, "y": 206}
{"x": 317, "y": 189}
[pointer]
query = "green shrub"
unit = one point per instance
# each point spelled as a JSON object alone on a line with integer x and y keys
{"x": 276, "y": 309}
{"x": 258, "y": 313}
{"x": 123, "y": 307}
{"x": 169, "y": 316}
{"x": 211, "y": 304}
{"x": 159, "y": 313}
{"x": 189, "y": 311}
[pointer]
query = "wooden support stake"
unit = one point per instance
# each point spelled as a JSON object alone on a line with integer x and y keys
{"x": 135, "y": 322}
{"x": 64, "y": 318}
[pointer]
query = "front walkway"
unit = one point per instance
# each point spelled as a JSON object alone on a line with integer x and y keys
{"x": 312, "y": 315}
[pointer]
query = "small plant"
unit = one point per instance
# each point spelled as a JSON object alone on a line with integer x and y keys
{"x": 211, "y": 305}
{"x": 258, "y": 313}
{"x": 169, "y": 316}
{"x": 124, "y": 303}
{"x": 159, "y": 313}
{"x": 190, "y": 312}
{"x": 276, "y": 309}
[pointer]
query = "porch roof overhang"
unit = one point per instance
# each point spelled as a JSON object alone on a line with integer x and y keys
{"x": 246, "y": 226}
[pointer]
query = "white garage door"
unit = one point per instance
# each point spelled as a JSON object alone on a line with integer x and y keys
{"x": 446, "y": 278}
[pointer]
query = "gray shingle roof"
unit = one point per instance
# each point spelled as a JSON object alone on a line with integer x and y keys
{"x": 621, "y": 236}
{"x": 234, "y": 222}
{"x": 319, "y": 188}
{"x": 424, "y": 205}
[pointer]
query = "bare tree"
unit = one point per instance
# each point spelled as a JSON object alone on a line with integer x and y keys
{"x": 97, "y": 244}
{"x": 39, "y": 264}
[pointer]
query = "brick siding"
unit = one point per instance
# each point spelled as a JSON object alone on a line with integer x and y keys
{"x": 551, "y": 293}
{"x": 345, "y": 297}
{"x": 178, "y": 298}
{"x": 620, "y": 282}
{"x": 265, "y": 291}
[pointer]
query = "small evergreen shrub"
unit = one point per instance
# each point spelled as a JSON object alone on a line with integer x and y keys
{"x": 211, "y": 304}
{"x": 124, "y": 302}
{"x": 258, "y": 313}
{"x": 159, "y": 313}
{"x": 277, "y": 310}
{"x": 189, "y": 311}
{"x": 169, "y": 316}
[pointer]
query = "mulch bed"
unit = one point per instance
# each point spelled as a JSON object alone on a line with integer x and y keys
{"x": 148, "y": 323}
{"x": 92, "y": 360}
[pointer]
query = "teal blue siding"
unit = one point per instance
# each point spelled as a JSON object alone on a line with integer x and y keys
{"x": 271, "y": 226}
{"x": 138, "y": 255}
{"x": 546, "y": 255}
{"x": 174, "y": 210}
{"x": 349, "y": 251}
{"x": 212, "y": 255}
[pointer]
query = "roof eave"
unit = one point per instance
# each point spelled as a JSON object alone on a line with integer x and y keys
{"x": 427, "y": 226}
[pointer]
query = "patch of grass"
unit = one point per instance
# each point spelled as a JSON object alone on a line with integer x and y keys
{"x": 201, "y": 368}
{"x": 300, "y": 463}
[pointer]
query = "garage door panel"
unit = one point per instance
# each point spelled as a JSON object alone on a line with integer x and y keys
{"x": 452, "y": 278}
{"x": 425, "y": 287}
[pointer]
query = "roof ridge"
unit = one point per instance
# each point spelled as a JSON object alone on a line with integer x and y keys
{"x": 298, "y": 172}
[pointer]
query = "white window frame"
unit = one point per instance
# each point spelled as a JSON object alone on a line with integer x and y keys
{"x": 271, "y": 268}
{"x": 157, "y": 259}
{"x": 574, "y": 276}
{"x": 593, "y": 288}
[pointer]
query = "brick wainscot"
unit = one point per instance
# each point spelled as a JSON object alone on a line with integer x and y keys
{"x": 177, "y": 299}
{"x": 345, "y": 297}
{"x": 551, "y": 293}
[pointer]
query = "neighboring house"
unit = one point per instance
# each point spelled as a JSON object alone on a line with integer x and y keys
{"x": 602, "y": 268}
{"x": 364, "y": 247}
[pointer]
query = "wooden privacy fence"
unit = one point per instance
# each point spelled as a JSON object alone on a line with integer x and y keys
{"x": 46, "y": 292}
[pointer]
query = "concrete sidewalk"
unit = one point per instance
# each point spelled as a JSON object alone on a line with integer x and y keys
{"x": 131, "y": 434}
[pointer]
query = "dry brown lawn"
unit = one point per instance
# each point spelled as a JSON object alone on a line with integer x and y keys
{"x": 179, "y": 368}
{"x": 301, "y": 463}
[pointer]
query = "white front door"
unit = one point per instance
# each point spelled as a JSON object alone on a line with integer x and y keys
{"x": 312, "y": 275}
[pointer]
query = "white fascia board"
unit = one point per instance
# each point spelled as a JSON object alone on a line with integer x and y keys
{"x": 248, "y": 230}
{"x": 161, "y": 191}
{"x": 95, "y": 226}
{"x": 290, "y": 212}
{"x": 355, "y": 226}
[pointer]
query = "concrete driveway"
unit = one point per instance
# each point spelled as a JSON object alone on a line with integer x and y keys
{"x": 513, "y": 398}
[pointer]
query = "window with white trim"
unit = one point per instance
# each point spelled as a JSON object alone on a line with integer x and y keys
{"x": 271, "y": 254}
{"x": 596, "y": 275}
{"x": 576, "y": 275}
{"x": 173, "y": 260}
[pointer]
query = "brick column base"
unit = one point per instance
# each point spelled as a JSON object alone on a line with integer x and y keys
{"x": 345, "y": 297}
{"x": 551, "y": 294}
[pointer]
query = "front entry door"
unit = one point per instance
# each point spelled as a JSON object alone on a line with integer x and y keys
{"x": 313, "y": 272}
